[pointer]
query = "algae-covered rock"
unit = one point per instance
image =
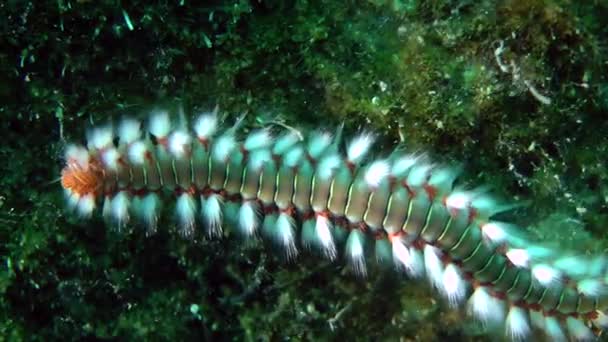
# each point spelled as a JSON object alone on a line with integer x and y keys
{"x": 517, "y": 92}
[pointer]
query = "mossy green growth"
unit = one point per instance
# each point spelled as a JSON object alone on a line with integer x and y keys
{"x": 423, "y": 73}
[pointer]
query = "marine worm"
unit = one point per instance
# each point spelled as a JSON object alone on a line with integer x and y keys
{"x": 321, "y": 194}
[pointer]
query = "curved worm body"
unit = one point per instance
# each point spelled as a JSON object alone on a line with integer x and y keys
{"x": 310, "y": 193}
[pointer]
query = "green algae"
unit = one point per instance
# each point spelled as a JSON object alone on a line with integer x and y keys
{"x": 421, "y": 72}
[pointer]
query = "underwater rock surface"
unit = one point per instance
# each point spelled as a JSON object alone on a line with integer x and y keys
{"x": 517, "y": 93}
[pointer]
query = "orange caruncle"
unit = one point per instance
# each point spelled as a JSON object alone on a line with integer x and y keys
{"x": 82, "y": 180}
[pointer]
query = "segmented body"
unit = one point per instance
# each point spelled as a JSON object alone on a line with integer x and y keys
{"x": 402, "y": 209}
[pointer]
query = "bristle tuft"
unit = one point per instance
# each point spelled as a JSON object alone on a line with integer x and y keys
{"x": 324, "y": 236}
{"x": 359, "y": 147}
{"x": 211, "y": 209}
{"x": 86, "y": 205}
{"x": 317, "y": 144}
{"x": 402, "y": 166}
{"x": 517, "y": 325}
{"x": 286, "y": 235}
{"x": 518, "y": 257}
{"x": 129, "y": 131}
{"x": 249, "y": 218}
{"x": 179, "y": 144}
{"x": 137, "y": 152}
{"x": 284, "y": 143}
{"x": 159, "y": 125}
{"x": 257, "y": 139}
{"x": 205, "y": 126}
{"x": 578, "y": 330}
{"x": 376, "y": 173}
{"x": 355, "y": 252}
{"x": 454, "y": 286}
{"x": 407, "y": 258}
{"x": 120, "y": 208}
{"x": 546, "y": 275}
{"x": 553, "y": 329}
{"x": 433, "y": 266}
{"x": 77, "y": 154}
{"x": 186, "y": 212}
{"x": 328, "y": 166}
{"x": 223, "y": 147}
{"x": 489, "y": 310}
{"x": 101, "y": 137}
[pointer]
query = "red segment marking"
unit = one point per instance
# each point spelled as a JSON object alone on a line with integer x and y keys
{"x": 407, "y": 187}
{"x": 430, "y": 190}
{"x": 163, "y": 141}
{"x": 351, "y": 167}
{"x": 149, "y": 156}
{"x": 290, "y": 210}
{"x": 204, "y": 142}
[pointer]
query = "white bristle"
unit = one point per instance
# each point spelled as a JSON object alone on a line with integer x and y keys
{"x": 205, "y": 126}
{"x": 383, "y": 251}
{"x": 136, "y": 207}
{"x": 317, "y": 144}
{"x": 86, "y": 205}
{"x": 257, "y": 139}
{"x": 211, "y": 209}
{"x": 101, "y": 137}
{"x": 517, "y": 325}
{"x": 442, "y": 179}
{"x": 601, "y": 320}
{"x": 454, "y": 287}
{"x": 407, "y": 258}
{"x": 553, "y": 329}
{"x": 137, "y": 152}
{"x": 328, "y": 166}
{"x": 493, "y": 233}
{"x": 539, "y": 252}
{"x": 129, "y": 131}
{"x": 546, "y": 275}
{"x": 458, "y": 200}
{"x": 71, "y": 198}
{"x": 418, "y": 175}
{"x": 120, "y": 208}
{"x": 185, "y": 209}
{"x": 269, "y": 227}
{"x": 110, "y": 158}
{"x": 78, "y": 155}
{"x": 578, "y": 330}
{"x": 580, "y": 266}
{"x": 489, "y": 310}
{"x": 179, "y": 144}
{"x": 376, "y": 173}
{"x": 286, "y": 235}
{"x": 293, "y": 156}
{"x": 150, "y": 207}
{"x": 249, "y": 219}
{"x": 592, "y": 287}
{"x": 159, "y": 125}
{"x": 358, "y": 147}
{"x": 486, "y": 205}
{"x": 259, "y": 158}
{"x": 537, "y": 319}
{"x": 106, "y": 210}
{"x": 308, "y": 234}
{"x": 433, "y": 266}
{"x": 355, "y": 252}
{"x": 284, "y": 143}
{"x": 518, "y": 257}
{"x": 324, "y": 236}
{"x": 402, "y": 166}
{"x": 223, "y": 147}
